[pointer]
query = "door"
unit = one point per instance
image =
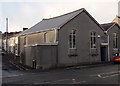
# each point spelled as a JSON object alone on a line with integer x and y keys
{"x": 34, "y": 64}
{"x": 104, "y": 53}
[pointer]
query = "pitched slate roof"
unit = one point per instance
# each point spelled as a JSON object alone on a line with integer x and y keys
{"x": 107, "y": 25}
{"x": 52, "y": 23}
{"x": 56, "y": 22}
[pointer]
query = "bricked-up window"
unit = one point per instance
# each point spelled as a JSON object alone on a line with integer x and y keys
{"x": 72, "y": 39}
{"x": 93, "y": 40}
{"x": 115, "y": 40}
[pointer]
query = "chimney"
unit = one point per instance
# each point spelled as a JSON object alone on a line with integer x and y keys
{"x": 25, "y": 29}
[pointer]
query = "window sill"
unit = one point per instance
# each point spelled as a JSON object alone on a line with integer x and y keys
{"x": 115, "y": 48}
{"x": 70, "y": 55}
{"x": 72, "y": 48}
{"x": 94, "y": 54}
{"x": 93, "y": 48}
{"x": 72, "y": 52}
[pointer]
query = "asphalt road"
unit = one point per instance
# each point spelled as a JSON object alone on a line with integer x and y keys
{"x": 109, "y": 74}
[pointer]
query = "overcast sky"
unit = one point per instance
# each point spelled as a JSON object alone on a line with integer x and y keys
{"x": 27, "y": 13}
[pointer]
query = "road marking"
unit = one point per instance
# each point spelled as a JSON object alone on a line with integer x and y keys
{"x": 105, "y": 73}
{"x": 21, "y": 68}
{"x": 99, "y": 76}
{"x": 108, "y": 76}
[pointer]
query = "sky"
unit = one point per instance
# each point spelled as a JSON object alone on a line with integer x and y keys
{"x": 26, "y": 13}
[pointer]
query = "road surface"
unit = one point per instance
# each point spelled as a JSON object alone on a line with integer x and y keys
{"x": 109, "y": 74}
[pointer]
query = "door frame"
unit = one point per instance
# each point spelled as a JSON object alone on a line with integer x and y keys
{"x": 105, "y": 58}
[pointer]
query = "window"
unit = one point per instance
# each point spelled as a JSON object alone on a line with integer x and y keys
{"x": 93, "y": 40}
{"x": 72, "y": 39}
{"x": 45, "y": 37}
{"x": 115, "y": 40}
{"x": 25, "y": 40}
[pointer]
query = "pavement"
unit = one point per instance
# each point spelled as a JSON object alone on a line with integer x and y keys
{"x": 10, "y": 59}
{"x": 12, "y": 63}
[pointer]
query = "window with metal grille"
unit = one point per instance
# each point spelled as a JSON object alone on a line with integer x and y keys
{"x": 72, "y": 39}
{"x": 115, "y": 40}
{"x": 93, "y": 40}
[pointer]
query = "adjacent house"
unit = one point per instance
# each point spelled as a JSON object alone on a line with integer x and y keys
{"x": 0, "y": 40}
{"x": 12, "y": 41}
{"x": 70, "y": 39}
{"x": 112, "y": 31}
{"x": 117, "y": 20}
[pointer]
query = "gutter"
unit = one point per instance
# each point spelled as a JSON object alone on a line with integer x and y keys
{"x": 38, "y": 31}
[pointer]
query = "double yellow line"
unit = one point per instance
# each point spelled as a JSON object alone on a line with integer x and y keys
{"x": 20, "y": 68}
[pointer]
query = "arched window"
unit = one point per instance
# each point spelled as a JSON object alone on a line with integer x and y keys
{"x": 115, "y": 40}
{"x": 93, "y": 40}
{"x": 72, "y": 39}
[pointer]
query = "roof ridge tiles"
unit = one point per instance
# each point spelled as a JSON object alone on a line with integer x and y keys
{"x": 63, "y": 14}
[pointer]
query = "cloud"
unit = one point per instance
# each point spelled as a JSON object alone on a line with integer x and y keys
{"x": 103, "y": 10}
{"x": 27, "y": 15}
{"x": 29, "y": 12}
{"x": 1, "y": 17}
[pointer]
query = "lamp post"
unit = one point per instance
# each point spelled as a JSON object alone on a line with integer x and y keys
{"x": 7, "y": 34}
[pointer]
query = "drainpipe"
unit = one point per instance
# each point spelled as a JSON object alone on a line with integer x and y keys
{"x": 108, "y": 40}
{"x": 119, "y": 40}
{"x": 108, "y": 48}
{"x": 56, "y": 41}
{"x": 45, "y": 40}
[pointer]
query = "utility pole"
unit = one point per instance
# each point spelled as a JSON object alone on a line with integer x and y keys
{"x": 7, "y": 34}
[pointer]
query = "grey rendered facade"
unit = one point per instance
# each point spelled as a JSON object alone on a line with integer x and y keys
{"x": 84, "y": 24}
{"x": 112, "y": 31}
{"x": 67, "y": 40}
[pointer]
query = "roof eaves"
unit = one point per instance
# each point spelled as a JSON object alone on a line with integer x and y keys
{"x": 39, "y": 31}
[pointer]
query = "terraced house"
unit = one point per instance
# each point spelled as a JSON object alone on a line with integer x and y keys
{"x": 112, "y": 31}
{"x": 70, "y": 39}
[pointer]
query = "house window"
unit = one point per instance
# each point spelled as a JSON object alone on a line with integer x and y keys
{"x": 115, "y": 40}
{"x": 25, "y": 40}
{"x": 72, "y": 39}
{"x": 45, "y": 37}
{"x": 93, "y": 40}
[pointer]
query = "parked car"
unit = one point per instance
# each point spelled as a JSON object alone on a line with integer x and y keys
{"x": 116, "y": 58}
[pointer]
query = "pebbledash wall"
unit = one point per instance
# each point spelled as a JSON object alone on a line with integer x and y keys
{"x": 67, "y": 40}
